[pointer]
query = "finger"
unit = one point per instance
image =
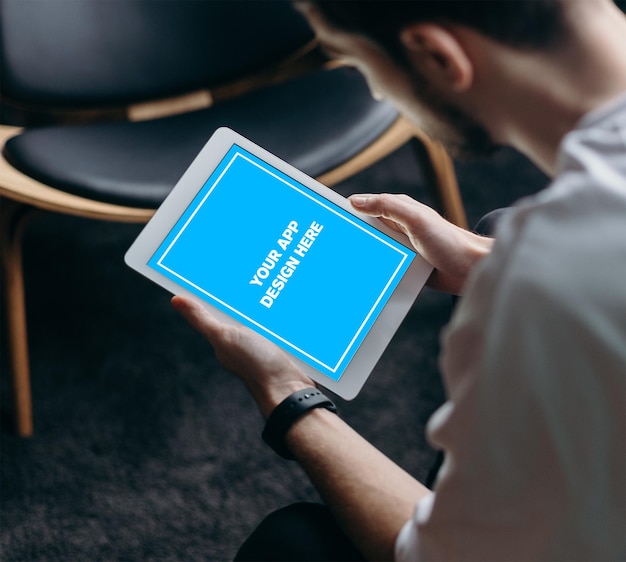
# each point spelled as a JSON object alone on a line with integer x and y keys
{"x": 361, "y": 202}
{"x": 198, "y": 317}
{"x": 395, "y": 207}
{"x": 406, "y": 213}
{"x": 392, "y": 224}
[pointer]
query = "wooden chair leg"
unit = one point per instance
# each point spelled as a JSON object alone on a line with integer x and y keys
{"x": 14, "y": 217}
{"x": 444, "y": 178}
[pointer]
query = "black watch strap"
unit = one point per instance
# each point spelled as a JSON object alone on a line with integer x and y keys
{"x": 287, "y": 412}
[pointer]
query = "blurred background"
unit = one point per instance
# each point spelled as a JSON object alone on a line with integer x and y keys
{"x": 144, "y": 448}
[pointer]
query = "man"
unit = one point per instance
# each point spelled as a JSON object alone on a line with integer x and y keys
{"x": 534, "y": 359}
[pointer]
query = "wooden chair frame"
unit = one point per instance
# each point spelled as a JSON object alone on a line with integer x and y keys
{"x": 21, "y": 196}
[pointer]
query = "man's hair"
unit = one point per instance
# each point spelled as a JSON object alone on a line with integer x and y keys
{"x": 528, "y": 24}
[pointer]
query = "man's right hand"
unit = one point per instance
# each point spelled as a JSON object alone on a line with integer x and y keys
{"x": 451, "y": 250}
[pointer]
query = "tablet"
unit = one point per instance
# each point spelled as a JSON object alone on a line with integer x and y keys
{"x": 262, "y": 244}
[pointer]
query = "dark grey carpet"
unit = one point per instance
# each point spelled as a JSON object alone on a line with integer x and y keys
{"x": 145, "y": 449}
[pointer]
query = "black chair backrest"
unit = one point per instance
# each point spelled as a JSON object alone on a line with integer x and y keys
{"x": 90, "y": 53}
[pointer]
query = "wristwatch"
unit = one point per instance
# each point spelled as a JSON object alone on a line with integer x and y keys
{"x": 287, "y": 412}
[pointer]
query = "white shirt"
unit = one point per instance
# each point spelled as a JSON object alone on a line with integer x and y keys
{"x": 534, "y": 363}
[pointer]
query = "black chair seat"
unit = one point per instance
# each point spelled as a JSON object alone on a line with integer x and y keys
{"x": 316, "y": 123}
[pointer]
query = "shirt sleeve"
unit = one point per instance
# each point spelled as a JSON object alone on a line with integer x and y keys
{"x": 406, "y": 543}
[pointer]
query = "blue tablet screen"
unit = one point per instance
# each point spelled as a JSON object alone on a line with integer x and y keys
{"x": 283, "y": 260}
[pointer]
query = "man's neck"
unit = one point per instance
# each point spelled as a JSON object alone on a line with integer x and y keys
{"x": 541, "y": 98}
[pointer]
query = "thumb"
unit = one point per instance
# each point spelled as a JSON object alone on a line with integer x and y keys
{"x": 362, "y": 201}
{"x": 400, "y": 209}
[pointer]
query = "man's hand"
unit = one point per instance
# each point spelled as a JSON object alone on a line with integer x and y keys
{"x": 265, "y": 369}
{"x": 370, "y": 496}
{"x": 451, "y": 250}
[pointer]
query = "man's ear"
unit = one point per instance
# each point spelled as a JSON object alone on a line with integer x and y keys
{"x": 437, "y": 54}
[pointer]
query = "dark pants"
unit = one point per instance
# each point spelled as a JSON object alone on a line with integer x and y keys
{"x": 305, "y": 532}
{"x": 300, "y": 532}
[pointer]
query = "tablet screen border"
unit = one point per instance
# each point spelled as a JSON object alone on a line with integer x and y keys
{"x": 185, "y": 192}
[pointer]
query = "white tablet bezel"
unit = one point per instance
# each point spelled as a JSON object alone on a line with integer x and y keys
{"x": 193, "y": 180}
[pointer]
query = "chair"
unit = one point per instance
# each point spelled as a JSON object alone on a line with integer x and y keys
{"x": 104, "y": 105}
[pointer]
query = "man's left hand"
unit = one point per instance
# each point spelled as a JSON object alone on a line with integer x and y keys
{"x": 265, "y": 369}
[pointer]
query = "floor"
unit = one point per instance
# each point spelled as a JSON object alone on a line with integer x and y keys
{"x": 144, "y": 447}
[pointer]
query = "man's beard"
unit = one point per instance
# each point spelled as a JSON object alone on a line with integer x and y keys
{"x": 460, "y": 134}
